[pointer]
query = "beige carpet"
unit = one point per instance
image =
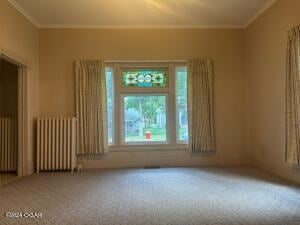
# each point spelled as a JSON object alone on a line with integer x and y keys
{"x": 171, "y": 196}
{"x": 6, "y": 178}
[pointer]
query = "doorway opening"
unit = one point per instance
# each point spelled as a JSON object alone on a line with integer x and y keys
{"x": 13, "y": 120}
{"x": 8, "y": 120}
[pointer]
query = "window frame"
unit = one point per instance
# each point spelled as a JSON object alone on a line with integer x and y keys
{"x": 119, "y": 143}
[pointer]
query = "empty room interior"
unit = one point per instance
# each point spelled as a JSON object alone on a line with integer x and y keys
{"x": 155, "y": 112}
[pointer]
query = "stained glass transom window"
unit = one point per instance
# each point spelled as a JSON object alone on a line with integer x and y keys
{"x": 144, "y": 78}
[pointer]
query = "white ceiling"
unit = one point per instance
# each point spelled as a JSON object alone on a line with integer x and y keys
{"x": 142, "y": 13}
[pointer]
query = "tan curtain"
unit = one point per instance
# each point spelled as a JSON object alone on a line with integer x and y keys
{"x": 200, "y": 102}
{"x": 91, "y": 107}
{"x": 293, "y": 97}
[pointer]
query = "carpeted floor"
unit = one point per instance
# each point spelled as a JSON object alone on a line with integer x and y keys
{"x": 6, "y": 178}
{"x": 171, "y": 196}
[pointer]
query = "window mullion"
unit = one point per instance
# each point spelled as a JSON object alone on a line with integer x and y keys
{"x": 172, "y": 107}
{"x": 118, "y": 108}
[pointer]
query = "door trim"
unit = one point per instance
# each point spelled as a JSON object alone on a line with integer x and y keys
{"x": 23, "y": 115}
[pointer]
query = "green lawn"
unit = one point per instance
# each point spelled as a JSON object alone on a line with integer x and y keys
{"x": 157, "y": 134}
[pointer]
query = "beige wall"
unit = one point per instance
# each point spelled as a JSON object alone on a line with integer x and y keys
{"x": 265, "y": 50}
{"x": 8, "y": 89}
{"x": 60, "y": 47}
{"x": 19, "y": 39}
{"x": 250, "y": 118}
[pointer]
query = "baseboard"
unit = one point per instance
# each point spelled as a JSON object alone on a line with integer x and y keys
{"x": 282, "y": 169}
{"x": 176, "y": 158}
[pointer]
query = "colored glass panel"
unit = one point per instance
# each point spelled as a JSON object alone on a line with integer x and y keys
{"x": 145, "y": 78}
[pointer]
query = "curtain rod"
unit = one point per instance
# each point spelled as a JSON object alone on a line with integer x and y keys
{"x": 144, "y": 61}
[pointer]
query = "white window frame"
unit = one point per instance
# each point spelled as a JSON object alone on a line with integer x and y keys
{"x": 119, "y": 143}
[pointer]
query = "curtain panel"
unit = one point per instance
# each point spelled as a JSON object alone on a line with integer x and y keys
{"x": 293, "y": 97}
{"x": 91, "y": 107}
{"x": 201, "y": 111}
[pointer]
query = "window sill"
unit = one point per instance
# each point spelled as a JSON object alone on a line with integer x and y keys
{"x": 147, "y": 147}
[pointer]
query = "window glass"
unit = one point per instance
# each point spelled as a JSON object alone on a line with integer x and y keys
{"x": 144, "y": 78}
{"x": 181, "y": 98}
{"x": 145, "y": 118}
{"x": 110, "y": 103}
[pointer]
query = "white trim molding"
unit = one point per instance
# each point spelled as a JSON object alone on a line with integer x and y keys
{"x": 259, "y": 12}
{"x": 132, "y": 26}
{"x": 279, "y": 168}
{"x": 167, "y": 158}
{"x": 19, "y": 8}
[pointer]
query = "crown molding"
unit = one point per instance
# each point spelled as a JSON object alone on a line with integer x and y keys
{"x": 19, "y": 8}
{"x": 93, "y": 26}
{"x": 259, "y": 12}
